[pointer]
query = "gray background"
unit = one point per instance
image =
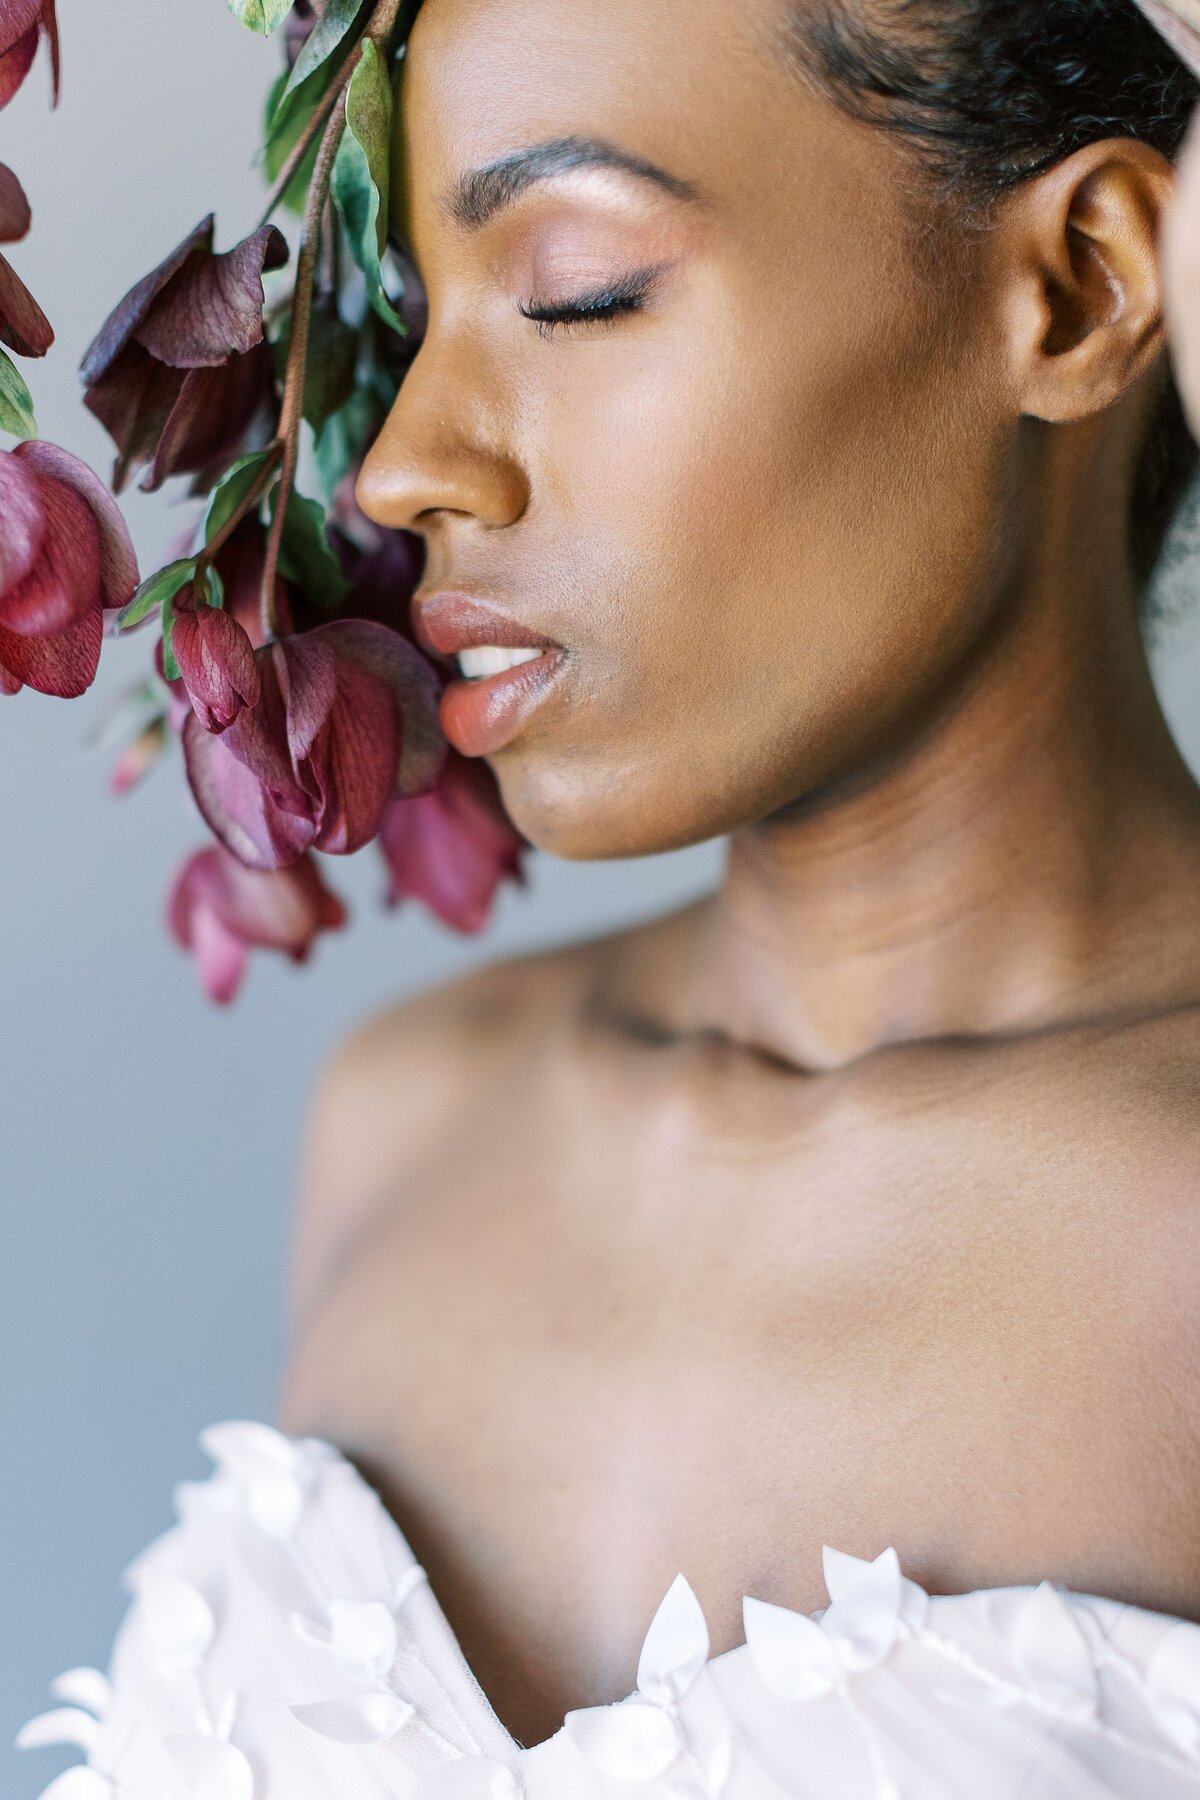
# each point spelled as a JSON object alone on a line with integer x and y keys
{"x": 147, "y": 1140}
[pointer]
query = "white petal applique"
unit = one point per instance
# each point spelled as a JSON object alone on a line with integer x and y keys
{"x": 210, "y": 1769}
{"x": 792, "y": 1654}
{"x": 468, "y": 1778}
{"x": 412, "y": 1578}
{"x": 676, "y": 1646}
{"x": 84, "y": 1687}
{"x": 66, "y": 1725}
{"x": 1052, "y": 1652}
{"x": 79, "y": 1784}
{"x": 864, "y": 1618}
{"x": 267, "y": 1468}
{"x": 178, "y": 1619}
{"x": 363, "y": 1638}
{"x": 310, "y": 1631}
{"x": 1173, "y": 1686}
{"x": 843, "y": 1573}
{"x": 633, "y": 1741}
{"x": 358, "y": 1719}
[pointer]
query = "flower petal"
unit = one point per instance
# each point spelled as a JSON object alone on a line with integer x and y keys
{"x": 80, "y": 1783}
{"x": 63, "y": 586}
{"x": 16, "y": 62}
{"x": 244, "y": 816}
{"x": 354, "y": 762}
{"x": 633, "y": 1741}
{"x": 15, "y": 216}
{"x": 1173, "y": 1686}
{"x": 216, "y": 661}
{"x": 212, "y": 1770}
{"x": 792, "y": 1654}
{"x": 179, "y": 1621}
{"x": 267, "y": 1469}
{"x": 676, "y": 1646}
{"x": 358, "y": 1719}
{"x": 212, "y": 306}
{"x": 364, "y": 1638}
{"x": 415, "y": 686}
{"x": 67, "y": 1725}
{"x": 863, "y": 1620}
{"x": 22, "y": 522}
{"x": 118, "y": 562}
{"x": 64, "y": 666}
{"x": 24, "y": 327}
{"x": 128, "y": 314}
{"x": 84, "y": 1687}
{"x": 1051, "y": 1650}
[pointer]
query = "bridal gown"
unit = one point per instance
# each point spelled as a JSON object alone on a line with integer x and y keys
{"x": 283, "y": 1643}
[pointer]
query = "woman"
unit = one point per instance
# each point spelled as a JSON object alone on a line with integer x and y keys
{"x": 792, "y": 440}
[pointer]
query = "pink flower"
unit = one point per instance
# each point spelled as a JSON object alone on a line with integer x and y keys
{"x": 453, "y": 847}
{"x": 221, "y": 911}
{"x": 347, "y": 717}
{"x": 24, "y": 327}
{"x": 65, "y": 557}
{"x": 216, "y": 661}
{"x": 180, "y": 373}
{"x": 21, "y": 24}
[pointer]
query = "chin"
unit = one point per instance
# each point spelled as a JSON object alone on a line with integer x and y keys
{"x": 586, "y": 811}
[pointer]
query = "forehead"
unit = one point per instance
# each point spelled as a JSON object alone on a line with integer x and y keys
{"x": 696, "y": 86}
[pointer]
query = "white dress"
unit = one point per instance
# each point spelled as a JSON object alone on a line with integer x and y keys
{"x": 282, "y": 1643}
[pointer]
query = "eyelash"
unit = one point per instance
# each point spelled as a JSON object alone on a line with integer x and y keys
{"x": 601, "y": 307}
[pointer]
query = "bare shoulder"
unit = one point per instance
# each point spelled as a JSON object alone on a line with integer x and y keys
{"x": 395, "y": 1085}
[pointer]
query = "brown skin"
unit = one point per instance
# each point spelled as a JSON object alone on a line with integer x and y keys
{"x": 856, "y": 1204}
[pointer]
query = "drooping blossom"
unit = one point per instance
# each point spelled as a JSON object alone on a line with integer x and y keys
{"x": 22, "y": 22}
{"x": 65, "y": 557}
{"x": 452, "y": 848}
{"x": 220, "y": 911}
{"x": 346, "y": 719}
{"x": 24, "y": 327}
{"x": 216, "y": 663}
{"x": 139, "y": 757}
{"x": 180, "y": 374}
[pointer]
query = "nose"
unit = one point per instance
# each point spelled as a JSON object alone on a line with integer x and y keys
{"x": 441, "y": 454}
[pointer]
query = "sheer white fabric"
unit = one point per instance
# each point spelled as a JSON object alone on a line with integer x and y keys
{"x": 282, "y": 1643}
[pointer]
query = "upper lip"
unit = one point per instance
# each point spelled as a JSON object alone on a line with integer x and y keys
{"x": 446, "y": 623}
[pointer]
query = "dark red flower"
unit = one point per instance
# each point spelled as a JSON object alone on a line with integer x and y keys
{"x": 180, "y": 374}
{"x": 347, "y": 718}
{"x": 24, "y": 327}
{"x": 452, "y": 848}
{"x": 216, "y": 662}
{"x": 221, "y": 911}
{"x": 65, "y": 557}
{"x": 21, "y": 24}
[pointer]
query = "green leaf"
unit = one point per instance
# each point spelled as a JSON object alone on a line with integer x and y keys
{"x": 285, "y": 121}
{"x": 215, "y": 588}
{"x": 263, "y": 16}
{"x": 16, "y": 402}
{"x": 231, "y": 491}
{"x": 326, "y": 36}
{"x": 305, "y": 557}
{"x": 361, "y": 173}
{"x": 163, "y": 585}
{"x": 343, "y": 439}
{"x": 332, "y": 355}
{"x": 170, "y": 666}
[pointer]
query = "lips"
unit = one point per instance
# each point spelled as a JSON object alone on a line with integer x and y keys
{"x": 482, "y": 715}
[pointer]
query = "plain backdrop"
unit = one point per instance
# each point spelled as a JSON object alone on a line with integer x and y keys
{"x": 148, "y": 1141}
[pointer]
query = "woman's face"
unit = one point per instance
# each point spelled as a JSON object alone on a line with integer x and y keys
{"x": 757, "y": 501}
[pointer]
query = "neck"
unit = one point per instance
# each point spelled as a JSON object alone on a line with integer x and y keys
{"x": 1030, "y": 859}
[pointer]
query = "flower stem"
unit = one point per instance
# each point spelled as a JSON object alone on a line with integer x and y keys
{"x": 249, "y": 500}
{"x": 300, "y": 150}
{"x": 292, "y": 411}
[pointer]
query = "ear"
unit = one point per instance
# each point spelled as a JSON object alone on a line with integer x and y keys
{"x": 1087, "y": 315}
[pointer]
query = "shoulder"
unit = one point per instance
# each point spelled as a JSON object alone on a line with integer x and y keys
{"x": 393, "y": 1087}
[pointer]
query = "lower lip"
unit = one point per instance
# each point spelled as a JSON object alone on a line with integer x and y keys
{"x": 482, "y": 716}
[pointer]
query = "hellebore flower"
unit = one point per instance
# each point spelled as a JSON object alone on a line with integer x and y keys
{"x": 453, "y": 847}
{"x": 216, "y": 662}
{"x": 347, "y": 717}
{"x": 221, "y": 911}
{"x": 65, "y": 557}
{"x": 180, "y": 371}
{"x": 21, "y": 23}
{"x": 24, "y": 327}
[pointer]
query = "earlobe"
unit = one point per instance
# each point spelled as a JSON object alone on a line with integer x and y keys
{"x": 1087, "y": 237}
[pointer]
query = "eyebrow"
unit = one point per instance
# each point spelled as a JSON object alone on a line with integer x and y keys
{"x": 483, "y": 192}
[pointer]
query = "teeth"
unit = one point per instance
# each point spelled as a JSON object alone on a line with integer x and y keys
{"x": 494, "y": 659}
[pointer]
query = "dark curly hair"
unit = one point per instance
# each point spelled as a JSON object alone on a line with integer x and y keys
{"x": 992, "y": 92}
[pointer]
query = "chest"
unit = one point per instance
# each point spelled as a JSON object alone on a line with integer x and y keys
{"x": 583, "y": 1351}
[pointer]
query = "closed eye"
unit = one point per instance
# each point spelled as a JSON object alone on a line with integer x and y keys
{"x": 599, "y": 307}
